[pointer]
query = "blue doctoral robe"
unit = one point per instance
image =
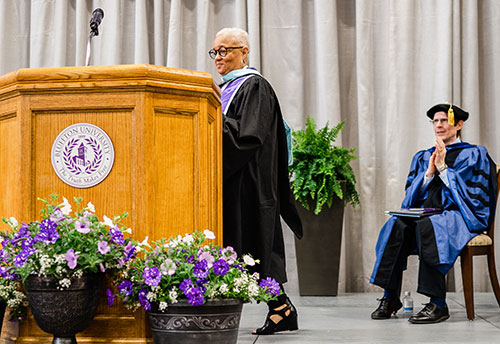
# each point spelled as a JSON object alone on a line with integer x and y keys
{"x": 468, "y": 203}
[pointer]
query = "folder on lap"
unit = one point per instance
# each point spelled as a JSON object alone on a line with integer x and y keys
{"x": 414, "y": 212}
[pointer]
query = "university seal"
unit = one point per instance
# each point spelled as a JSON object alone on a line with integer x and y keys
{"x": 82, "y": 155}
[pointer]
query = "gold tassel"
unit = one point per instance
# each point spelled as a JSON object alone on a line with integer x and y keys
{"x": 451, "y": 115}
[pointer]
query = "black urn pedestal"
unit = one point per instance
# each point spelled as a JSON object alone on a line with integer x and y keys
{"x": 64, "y": 312}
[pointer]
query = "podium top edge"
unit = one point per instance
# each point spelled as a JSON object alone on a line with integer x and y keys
{"x": 111, "y": 72}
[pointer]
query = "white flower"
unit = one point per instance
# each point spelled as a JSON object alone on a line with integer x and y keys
{"x": 209, "y": 234}
{"x": 151, "y": 296}
{"x": 223, "y": 288}
{"x": 61, "y": 258}
{"x": 253, "y": 289}
{"x": 107, "y": 221}
{"x": 65, "y": 282}
{"x": 240, "y": 282}
{"x": 248, "y": 260}
{"x": 66, "y": 207}
{"x": 188, "y": 238}
{"x": 174, "y": 242}
{"x": 163, "y": 305}
{"x": 145, "y": 242}
{"x": 173, "y": 295}
{"x": 91, "y": 207}
{"x": 13, "y": 222}
{"x": 128, "y": 230}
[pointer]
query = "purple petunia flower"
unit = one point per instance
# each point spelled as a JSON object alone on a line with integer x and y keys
{"x": 189, "y": 259}
{"x": 229, "y": 255}
{"x": 48, "y": 233}
{"x": 4, "y": 255}
{"x": 116, "y": 235}
{"x": 195, "y": 296}
{"x": 21, "y": 235}
{"x": 200, "y": 269}
{"x": 129, "y": 251}
{"x": 102, "y": 247}
{"x": 186, "y": 284}
{"x": 221, "y": 267}
{"x": 200, "y": 283}
{"x": 57, "y": 216}
{"x": 111, "y": 297}
{"x": 71, "y": 258}
{"x": 206, "y": 256}
{"x": 271, "y": 286}
{"x": 3, "y": 272}
{"x": 239, "y": 267}
{"x": 125, "y": 288}
{"x": 82, "y": 226}
{"x": 22, "y": 257}
{"x": 152, "y": 276}
{"x": 143, "y": 300}
{"x": 11, "y": 276}
{"x": 28, "y": 243}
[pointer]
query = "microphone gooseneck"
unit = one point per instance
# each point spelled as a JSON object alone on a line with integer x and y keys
{"x": 95, "y": 20}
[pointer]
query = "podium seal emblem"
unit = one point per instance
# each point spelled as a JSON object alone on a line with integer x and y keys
{"x": 82, "y": 155}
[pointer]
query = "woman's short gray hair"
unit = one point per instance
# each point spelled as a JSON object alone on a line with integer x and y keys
{"x": 240, "y": 35}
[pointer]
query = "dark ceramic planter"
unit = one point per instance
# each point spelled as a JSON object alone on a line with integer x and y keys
{"x": 318, "y": 252}
{"x": 65, "y": 312}
{"x": 217, "y": 322}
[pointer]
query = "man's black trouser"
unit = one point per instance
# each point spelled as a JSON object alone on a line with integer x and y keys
{"x": 411, "y": 236}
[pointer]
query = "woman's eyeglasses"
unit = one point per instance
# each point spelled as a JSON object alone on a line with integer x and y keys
{"x": 222, "y": 51}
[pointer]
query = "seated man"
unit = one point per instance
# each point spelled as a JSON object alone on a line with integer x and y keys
{"x": 458, "y": 178}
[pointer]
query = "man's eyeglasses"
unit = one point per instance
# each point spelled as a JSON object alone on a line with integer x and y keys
{"x": 439, "y": 121}
{"x": 222, "y": 51}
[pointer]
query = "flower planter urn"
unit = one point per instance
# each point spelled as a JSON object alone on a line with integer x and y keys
{"x": 318, "y": 252}
{"x": 216, "y": 321}
{"x": 64, "y": 312}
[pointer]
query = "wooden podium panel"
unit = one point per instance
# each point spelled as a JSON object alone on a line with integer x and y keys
{"x": 165, "y": 126}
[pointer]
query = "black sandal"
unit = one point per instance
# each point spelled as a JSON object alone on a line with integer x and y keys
{"x": 287, "y": 323}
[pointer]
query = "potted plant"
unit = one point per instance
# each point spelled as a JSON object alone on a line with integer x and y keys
{"x": 323, "y": 182}
{"x": 13, "y": 297}
{"x": 192, "y": 289}
{"x": 61, "y": 261}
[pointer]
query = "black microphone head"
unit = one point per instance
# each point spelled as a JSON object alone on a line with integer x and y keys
{"x": 96, "y": 19}
{"x": 97, "y": 15}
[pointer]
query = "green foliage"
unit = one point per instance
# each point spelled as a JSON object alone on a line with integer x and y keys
{"x": 319, "y": 166}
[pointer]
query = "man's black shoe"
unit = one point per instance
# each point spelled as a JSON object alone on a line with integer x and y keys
{"x": 386, "y": 308}
{"x": 430, "y": 314}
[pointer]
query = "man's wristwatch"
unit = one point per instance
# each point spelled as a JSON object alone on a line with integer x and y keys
{"x": 442, "y": 168}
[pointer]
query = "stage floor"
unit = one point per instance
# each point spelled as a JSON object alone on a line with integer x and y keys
{"x": 346, "y": 319}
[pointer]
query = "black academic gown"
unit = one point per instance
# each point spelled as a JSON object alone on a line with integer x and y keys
{"x": 256, "y": 187}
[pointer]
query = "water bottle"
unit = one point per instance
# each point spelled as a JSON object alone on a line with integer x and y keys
{"x": 407, "y": 305}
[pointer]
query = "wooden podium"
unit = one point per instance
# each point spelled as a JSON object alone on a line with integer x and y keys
{"x": 165, "y": 126}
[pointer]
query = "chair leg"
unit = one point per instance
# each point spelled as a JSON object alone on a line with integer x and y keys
{"x": 493, "y": 275}
{"x": 467, "y": 282}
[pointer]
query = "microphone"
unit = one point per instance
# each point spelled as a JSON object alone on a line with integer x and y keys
{"x": 97, "y": 16}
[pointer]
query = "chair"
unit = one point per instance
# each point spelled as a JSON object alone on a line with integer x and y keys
{"x": 482, "y": 244}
